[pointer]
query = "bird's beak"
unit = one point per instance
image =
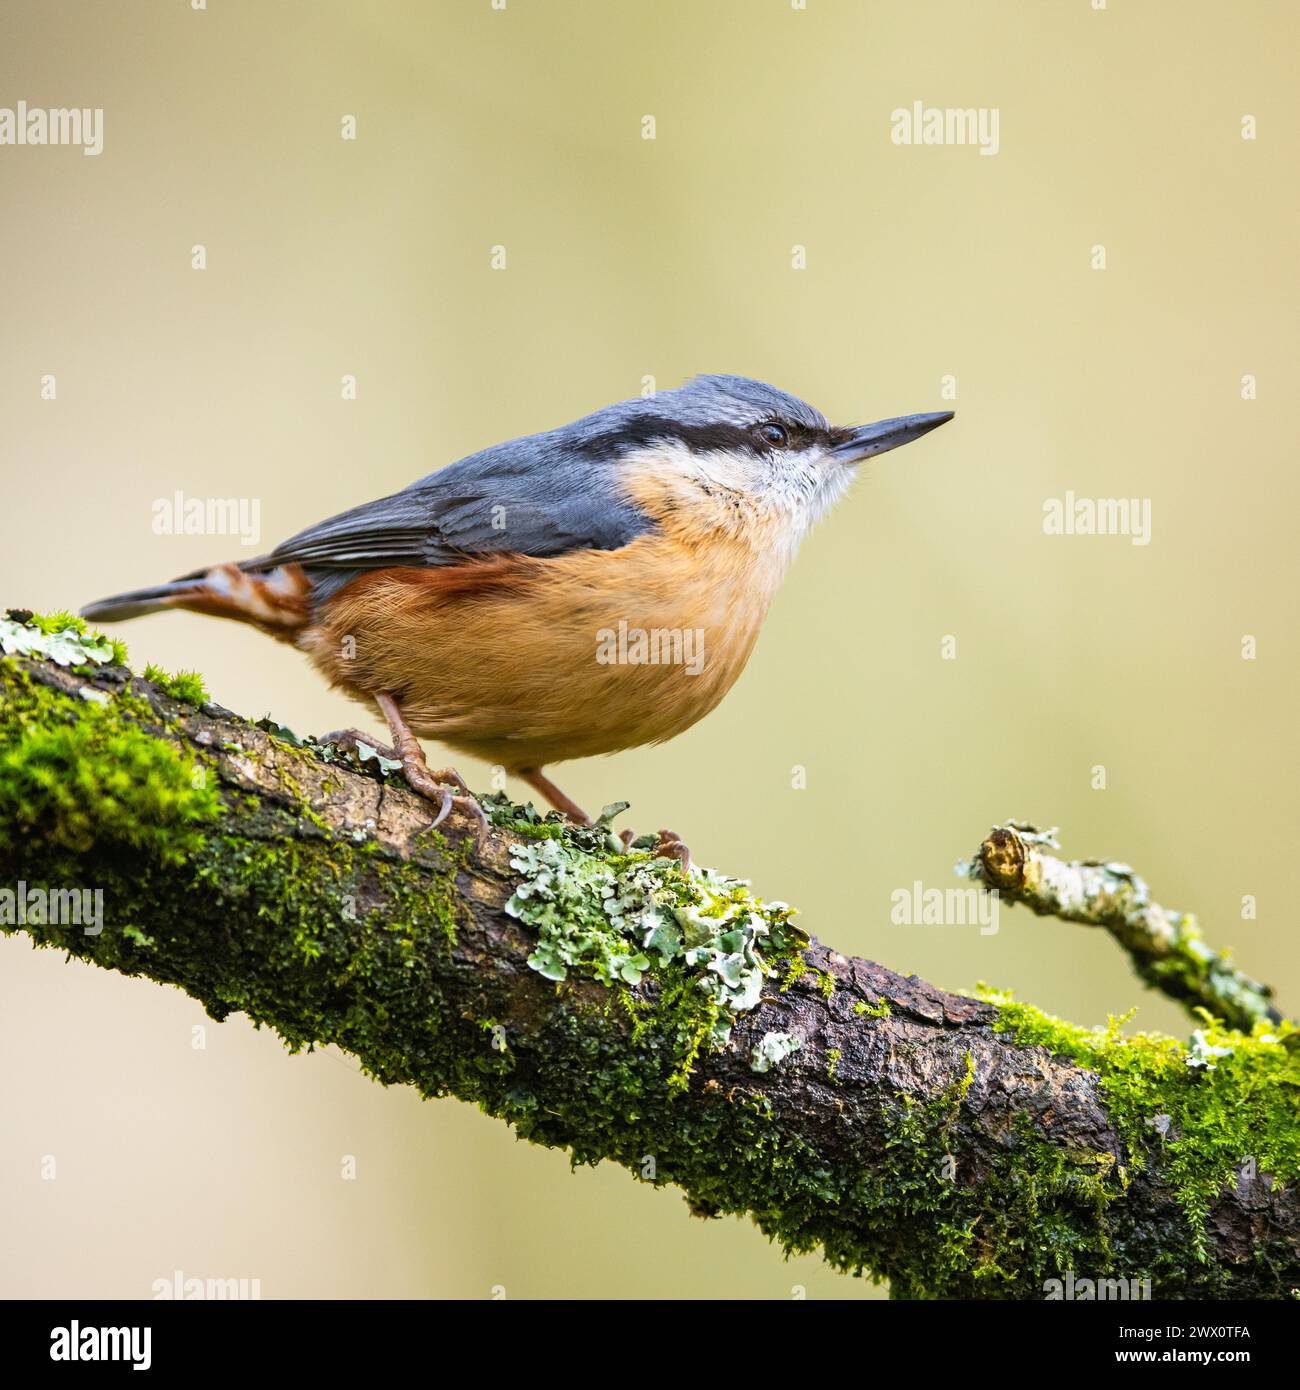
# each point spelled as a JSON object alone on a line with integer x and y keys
{"x": 868, "y": 440}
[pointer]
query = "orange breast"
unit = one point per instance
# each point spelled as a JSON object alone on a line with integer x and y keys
{"x": 524, "y": 661}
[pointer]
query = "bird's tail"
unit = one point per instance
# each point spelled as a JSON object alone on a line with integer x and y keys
{"x": 138, "y": 602}
{"x": 278, "y": 599}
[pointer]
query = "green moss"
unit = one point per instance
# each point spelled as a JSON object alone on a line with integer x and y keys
{"x": 1197, "y": 1113}
{"x": 880, "y": 1010}
{"x": 1188, "y": 970}
{"x": 290, "y": 783}
{"x": 795, "y": 968}
{"x": 77, "y": 775}
{"x": 440, "y": 909}
{"x": 186, "y": 686}
{"x": 680, "y": 1023}
{"x": 960, "y": 1089}
{"x": 62, "y": 621}
{"x": 936, "y": 1233}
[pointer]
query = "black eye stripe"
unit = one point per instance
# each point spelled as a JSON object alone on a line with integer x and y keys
{"x": 644, "y": 430}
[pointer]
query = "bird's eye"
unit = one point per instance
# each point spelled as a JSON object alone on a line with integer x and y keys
{"x": 772, "y": 433}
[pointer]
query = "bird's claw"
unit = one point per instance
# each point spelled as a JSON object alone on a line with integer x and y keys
{"x": 670, "y": 845}
{"x": 448, "y": 789}
{"x": 444, "y": 808}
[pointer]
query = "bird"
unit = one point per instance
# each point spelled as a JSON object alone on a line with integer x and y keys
{"x": 588, "y": 589}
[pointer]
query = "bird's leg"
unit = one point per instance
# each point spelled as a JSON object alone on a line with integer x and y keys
{"x": 350, "y": 740}
{"x": 437, "y": 786}
{"x": 544, "y": 785}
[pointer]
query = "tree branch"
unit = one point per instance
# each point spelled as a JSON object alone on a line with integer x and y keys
{"x": 602, "y": 1002}
{"x": 1165, "y": 946}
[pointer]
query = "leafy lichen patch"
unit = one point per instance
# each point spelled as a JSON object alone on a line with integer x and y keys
{"x": 61, "y": 638}
{"x": 772, "y": 1049}
{"x": 618, "y": 918}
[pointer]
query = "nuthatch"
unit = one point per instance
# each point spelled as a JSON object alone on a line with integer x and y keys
{"x": 580, "y": 591}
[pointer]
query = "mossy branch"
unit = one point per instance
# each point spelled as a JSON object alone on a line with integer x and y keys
{"x": 1165, "y": 947}
{"x": 601, "y": 1002}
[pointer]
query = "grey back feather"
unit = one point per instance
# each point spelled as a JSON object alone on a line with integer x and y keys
{"x": 543, "y": 495}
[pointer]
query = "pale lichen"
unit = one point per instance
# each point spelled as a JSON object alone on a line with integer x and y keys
{"x": 61, "y": 638}
{"x": 772, "y": 1049}
{"x": 617, "y": 919}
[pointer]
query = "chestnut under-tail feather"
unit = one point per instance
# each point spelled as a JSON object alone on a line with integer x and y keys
{"x": 277, "y": 602}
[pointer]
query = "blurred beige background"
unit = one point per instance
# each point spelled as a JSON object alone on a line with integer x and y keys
{"x": 626, "y": 258}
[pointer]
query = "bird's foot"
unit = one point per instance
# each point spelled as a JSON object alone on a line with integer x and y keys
{"x": 670, "y": 845}
{"x": 447, "y": 788}
{"x": 353, "y": 741}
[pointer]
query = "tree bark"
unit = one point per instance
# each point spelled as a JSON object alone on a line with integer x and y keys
{"x": 957, "y": 1146}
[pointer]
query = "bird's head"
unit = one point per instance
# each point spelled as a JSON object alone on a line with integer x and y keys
{"x": 745, "y": 447}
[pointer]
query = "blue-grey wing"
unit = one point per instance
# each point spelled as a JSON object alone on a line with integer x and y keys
{"x": 530, "y": 497}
